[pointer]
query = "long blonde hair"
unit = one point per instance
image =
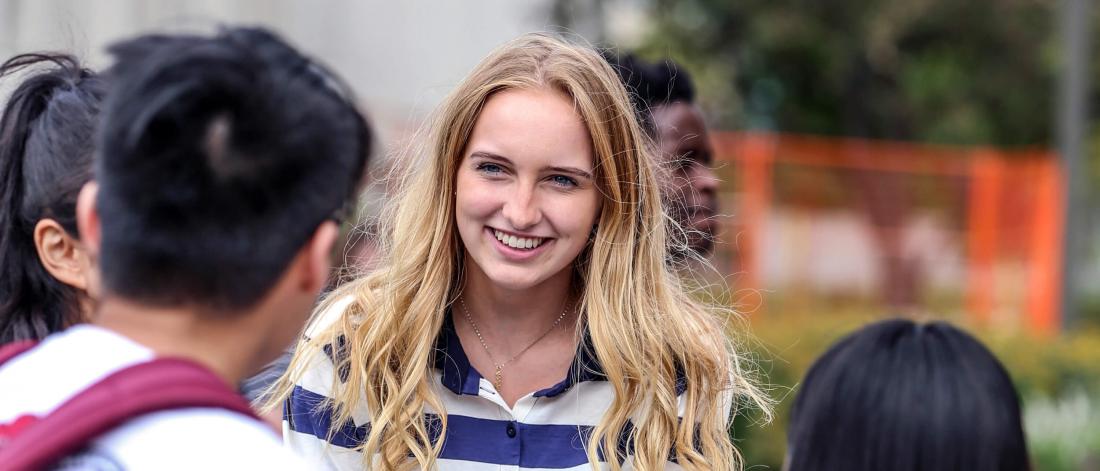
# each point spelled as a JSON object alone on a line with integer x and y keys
{"x": 646, "y": 330}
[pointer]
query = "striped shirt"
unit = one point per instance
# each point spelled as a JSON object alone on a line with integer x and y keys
{"x": 544, "y": 430}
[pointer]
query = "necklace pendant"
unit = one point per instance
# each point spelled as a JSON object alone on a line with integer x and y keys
{"x": 498, "y": 375}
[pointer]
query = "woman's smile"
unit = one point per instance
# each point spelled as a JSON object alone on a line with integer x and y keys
{"x": 516, "y": 247}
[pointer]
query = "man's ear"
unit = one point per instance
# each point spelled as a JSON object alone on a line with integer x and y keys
{"x": 318, "y": 257}
{"x": 87, "y": 219}
{"x": 61, "y": 254}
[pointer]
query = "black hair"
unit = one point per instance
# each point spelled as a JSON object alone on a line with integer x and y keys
{"x": 219, "y": 158}
{"x": 46, "y": 138}
{"x": 906, "y": 397}
{"x": 651, "y": 84}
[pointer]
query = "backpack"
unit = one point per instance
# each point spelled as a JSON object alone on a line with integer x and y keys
{"x": 161, "y": 384}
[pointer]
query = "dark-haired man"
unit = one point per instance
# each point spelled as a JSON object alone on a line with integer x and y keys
{"x": 665, "y": 98}
{"x": 223, "y": 162}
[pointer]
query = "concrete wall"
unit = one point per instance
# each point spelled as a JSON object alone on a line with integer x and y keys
{"x": 401, "y": 57}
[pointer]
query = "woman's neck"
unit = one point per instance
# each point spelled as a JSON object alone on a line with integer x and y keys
{"x": 523, "y": 313}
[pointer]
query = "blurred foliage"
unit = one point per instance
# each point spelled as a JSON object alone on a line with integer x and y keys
{"x": 975, "y": 72}
{"x": 1056, "y": 377}
{"x": 1064, "y": 433}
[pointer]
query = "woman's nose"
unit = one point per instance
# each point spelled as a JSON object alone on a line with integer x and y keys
{"x": 521, "y": 208}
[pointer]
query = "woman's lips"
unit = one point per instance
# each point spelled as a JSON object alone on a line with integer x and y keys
{"x": 517, "y": 248}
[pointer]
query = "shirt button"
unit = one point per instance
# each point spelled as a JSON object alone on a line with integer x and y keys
{"x": 511, "y": 430}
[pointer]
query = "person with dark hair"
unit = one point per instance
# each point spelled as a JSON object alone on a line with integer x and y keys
{"x": 664, "y": 99}
{"x": 224, "y": 165}
{"x": 46, "y": 141}
{"x": 904, "y": 396}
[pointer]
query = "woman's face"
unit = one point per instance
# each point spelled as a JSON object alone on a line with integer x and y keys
{"x": 526, "y": 197}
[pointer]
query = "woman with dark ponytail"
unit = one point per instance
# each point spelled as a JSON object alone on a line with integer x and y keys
{"x": 46, "y": 146}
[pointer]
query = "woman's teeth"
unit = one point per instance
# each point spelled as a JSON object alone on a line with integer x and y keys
{"x": 518, "y": 242}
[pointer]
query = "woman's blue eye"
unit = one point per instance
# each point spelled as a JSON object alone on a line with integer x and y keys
{"x": 562, "y": 180}
{"x": 490, "y": 168}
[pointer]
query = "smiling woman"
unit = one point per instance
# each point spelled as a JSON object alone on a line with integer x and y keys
{"x": 523, "y": 315}
{"x": 523, "y": 209}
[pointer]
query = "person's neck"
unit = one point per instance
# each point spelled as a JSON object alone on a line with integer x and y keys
{"x": 526, "y": 312}
{"x": 212, "y": 340}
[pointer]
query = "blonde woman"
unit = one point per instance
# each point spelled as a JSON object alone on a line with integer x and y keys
{"x": 523, "y": 316}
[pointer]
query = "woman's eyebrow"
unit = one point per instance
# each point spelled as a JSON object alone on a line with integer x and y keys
{"x": 491, "y": 156}
{"x": 500, "y": 158}
{"x": 572, "y": 171}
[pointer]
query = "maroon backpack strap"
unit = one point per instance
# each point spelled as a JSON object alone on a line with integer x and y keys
{"x": 157, "y": 385}
{"x": 14, "y": 349}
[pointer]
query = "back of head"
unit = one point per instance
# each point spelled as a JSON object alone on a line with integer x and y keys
{"x": 220, "y": 156}
{"x": 46, "y": 137}
{"x": 907, "y": 397}
{"x": 652, "y": 84}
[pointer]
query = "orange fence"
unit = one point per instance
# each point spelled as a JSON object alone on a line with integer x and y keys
{"x": 1007, "y": 204}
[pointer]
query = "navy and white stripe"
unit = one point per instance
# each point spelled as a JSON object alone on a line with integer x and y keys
{"x": 545, "y": 430}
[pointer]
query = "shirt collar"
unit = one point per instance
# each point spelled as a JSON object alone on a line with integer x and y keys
{"x": 461, "y": 378}
{"x": 451, "y": 359}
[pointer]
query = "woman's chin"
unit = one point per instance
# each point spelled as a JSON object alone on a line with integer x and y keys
{"x": 512, "y": 278}
{"x": 515, "y": 282}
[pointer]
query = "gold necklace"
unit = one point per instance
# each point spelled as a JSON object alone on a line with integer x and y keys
{"x": 498, "y": 375}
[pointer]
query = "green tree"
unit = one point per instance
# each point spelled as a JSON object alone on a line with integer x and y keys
{"x": 975, "y": 72}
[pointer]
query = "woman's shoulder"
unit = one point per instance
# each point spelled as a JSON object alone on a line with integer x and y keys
{"x": 316, "y": 357}
{"x": 330, "y": 311}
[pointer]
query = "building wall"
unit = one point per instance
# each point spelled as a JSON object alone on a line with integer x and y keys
{"x": 401, "y": 57}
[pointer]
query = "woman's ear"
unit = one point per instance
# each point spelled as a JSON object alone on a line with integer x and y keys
{"x": 87, "y": 218}
{"x": 61, "y": 254}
